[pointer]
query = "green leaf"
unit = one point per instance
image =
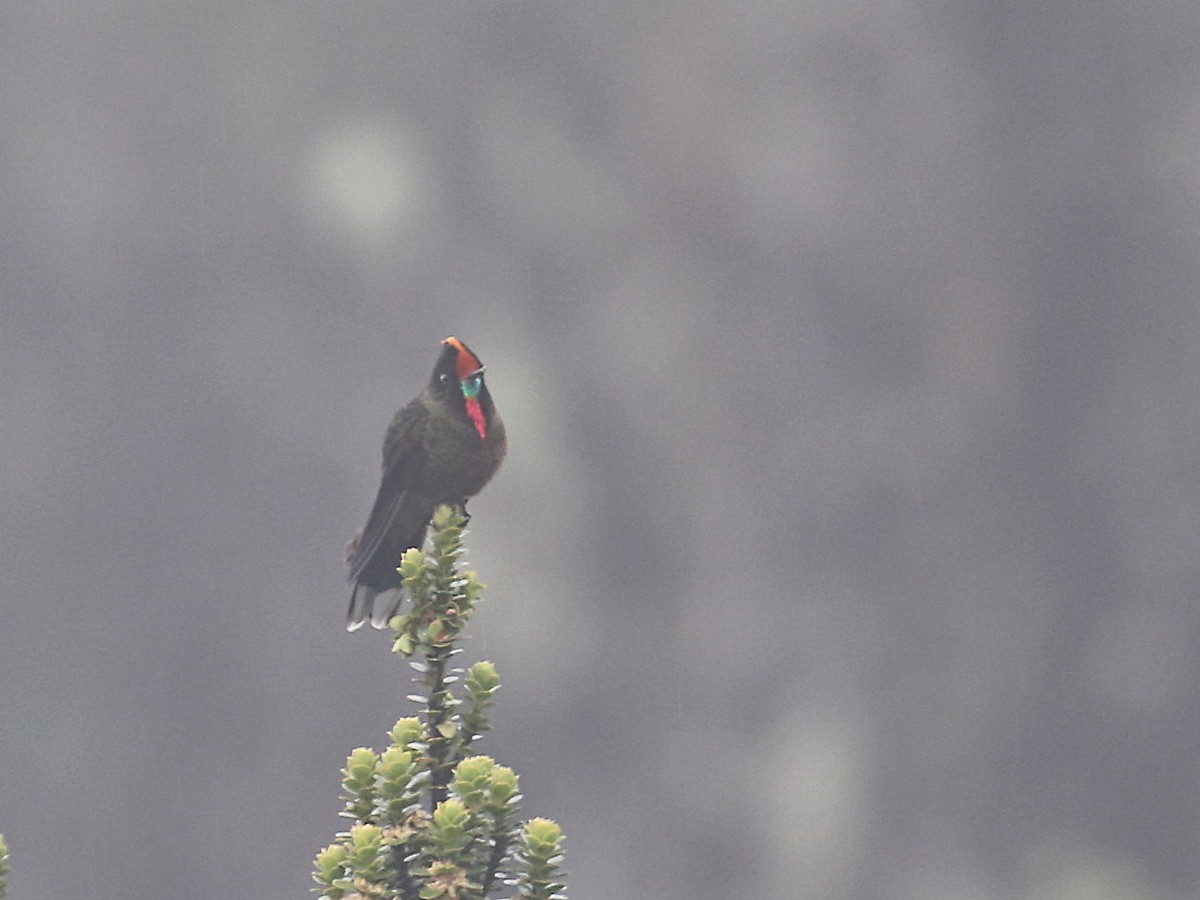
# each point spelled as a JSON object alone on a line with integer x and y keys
{"x": 406, "y": 731}
{"x": 330, "y": 865}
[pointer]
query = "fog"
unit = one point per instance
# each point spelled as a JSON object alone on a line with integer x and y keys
{"x": 847, "y": 543}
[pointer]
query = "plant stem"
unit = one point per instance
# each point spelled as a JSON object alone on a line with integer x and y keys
{"x": 437, "y": 714}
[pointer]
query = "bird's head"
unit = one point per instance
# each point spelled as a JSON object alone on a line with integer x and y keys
{"x": 458, "y": 376}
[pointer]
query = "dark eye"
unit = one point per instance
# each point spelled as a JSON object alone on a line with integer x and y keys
{"x": 444, "y": 378}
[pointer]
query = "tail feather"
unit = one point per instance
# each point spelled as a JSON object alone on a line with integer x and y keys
{"x": 362, "y": 601}
{"x": 376, "y": 592}
{"x": 389, "y": 605}
{"x": 370, "y": 605}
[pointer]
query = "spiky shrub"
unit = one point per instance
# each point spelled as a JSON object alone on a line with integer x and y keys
{"x": 432, "y": 820}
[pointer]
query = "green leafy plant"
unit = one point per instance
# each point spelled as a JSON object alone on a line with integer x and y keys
{"x": 3, "y": 867}
{"x": 431, "y": 819}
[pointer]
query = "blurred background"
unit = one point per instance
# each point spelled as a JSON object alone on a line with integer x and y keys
{"x": 847, "y": 544}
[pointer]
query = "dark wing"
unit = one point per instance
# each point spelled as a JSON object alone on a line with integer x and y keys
{"x": 402, "y": 459}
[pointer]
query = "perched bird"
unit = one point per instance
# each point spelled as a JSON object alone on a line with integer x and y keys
{"x": 443, "y": 447}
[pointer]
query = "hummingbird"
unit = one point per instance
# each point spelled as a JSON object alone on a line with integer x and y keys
{"x": 441, "y": 448}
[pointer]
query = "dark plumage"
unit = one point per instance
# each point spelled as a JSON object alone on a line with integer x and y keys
{"x": 443, "y": 447}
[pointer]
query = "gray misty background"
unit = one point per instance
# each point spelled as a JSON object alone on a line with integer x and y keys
{"x": 847, "y": 544}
